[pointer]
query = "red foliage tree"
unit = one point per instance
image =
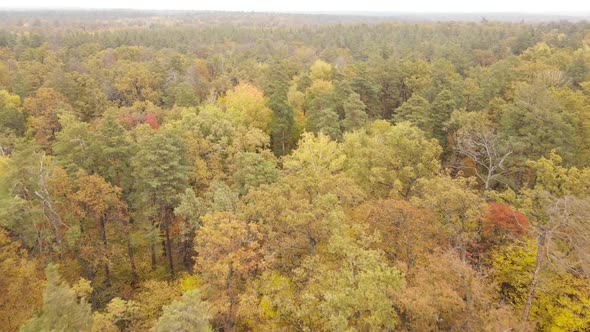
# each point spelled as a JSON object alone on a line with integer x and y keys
{"x": 500, "y": 223}
{"x": 151, "y": 120}
{"x": 500, "y": 220}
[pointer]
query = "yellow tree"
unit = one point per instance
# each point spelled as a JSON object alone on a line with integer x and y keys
{"x": 246, "y": 106}
{"x": 150, "y": 298}
{"x": 96, "y": 202}
{"x": 343, "y": 287}
{"x": 299, "y": 214}
{"x": 446, "y": 294}
{"x": 554, "y": 259}
{"x": 229, "y": 252}
{"x": 20, "y": 284}
{"x": 408, "y": 233}
{"x": 137, "y": 82}
{"x": 118, "y": 313}
{"x": 558, "y": 207}
{"x": 456, "y": 205}
{"x": 43, "y": 109}
{"x": 320, "y": 70}
{"x": 8, "y": 100}
{"x": 388, "y": 160}
{"x": 302, "y": 208}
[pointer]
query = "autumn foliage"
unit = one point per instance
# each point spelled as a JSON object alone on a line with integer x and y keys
{"x": 500, "y": 220}
{"x": 213, "y": 171}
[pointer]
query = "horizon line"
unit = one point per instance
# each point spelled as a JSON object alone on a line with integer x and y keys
{"x": 312, "y": 12}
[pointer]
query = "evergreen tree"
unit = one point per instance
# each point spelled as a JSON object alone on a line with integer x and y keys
{"x": 161, "y": 175}
{"x": 63, "y": 309}
{"x": 189, "y": 314}
{"x": 282, "y": 121}
{"x": 355, "y": 116}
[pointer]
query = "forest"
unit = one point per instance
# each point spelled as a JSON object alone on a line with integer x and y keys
{"x": 210, "y": 171}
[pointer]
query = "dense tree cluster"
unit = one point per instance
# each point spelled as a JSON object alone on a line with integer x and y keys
{"x": 208, "y": 172}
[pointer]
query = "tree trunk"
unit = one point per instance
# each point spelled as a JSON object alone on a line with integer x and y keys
{"x": 229, "y": 315}
{"x": 538, "y": 266}
{"x": 169, "y": 249}
{"x": 88, "y": 272}
{"x": 103, "y": 234}
{"x": 461, "y": 240}
{"x": 153, "y": 250}
{"x": 312, "y": 244}
{"x": 283, "y": 143}
{"x": 186, "y": 258}
{"x": 51, "y": 215}
{"x": 131, "y": 257}
{"x": 488, "y": 181}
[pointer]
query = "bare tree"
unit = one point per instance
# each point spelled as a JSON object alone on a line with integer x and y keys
{"x": 481, "y": 146}
{"x": 563, "y": 239}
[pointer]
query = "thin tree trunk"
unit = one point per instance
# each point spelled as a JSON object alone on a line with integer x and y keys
{"x": 103, "y": 233}
{"x": 88, "y": 273}
{"x": 283, "y": 142}
{"x": 153, "y": 249}
{"x": 461, "y": 244}
{"x": 538, "y": 266}
{"x": 169, "y": 246}
{"x": 229, "y": 315}
{"x": 312, "y": 243}
{"x": 131, "y": 257}
{"x": 52, "y": 216}
{"x": 49, "y": 211}
{"x": 186, "y": 259}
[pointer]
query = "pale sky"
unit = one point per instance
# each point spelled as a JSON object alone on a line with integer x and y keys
{"x": 444, "y": 6}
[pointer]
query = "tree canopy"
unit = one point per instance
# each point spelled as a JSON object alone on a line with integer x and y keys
{"x": 210, "y": 171}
